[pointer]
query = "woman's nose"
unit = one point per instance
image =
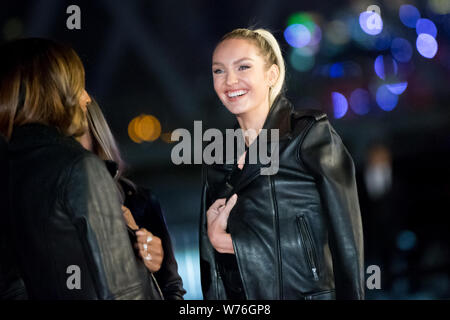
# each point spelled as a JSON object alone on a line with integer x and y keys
{"x": 231, "y": 78}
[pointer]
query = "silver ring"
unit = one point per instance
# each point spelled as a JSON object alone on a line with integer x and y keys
{"x": 145, "y": 246}
{"x": 148, "y": 257}
{"x": 149, "y": 239}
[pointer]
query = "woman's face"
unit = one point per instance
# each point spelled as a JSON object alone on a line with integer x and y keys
{"x": 241, "y": 78}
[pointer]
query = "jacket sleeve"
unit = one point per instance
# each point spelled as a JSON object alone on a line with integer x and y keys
{"x": 11, "y": 284}
{"x": 91, "y": 199}
{"x": 323, "y": 152}
{"x": 168, "y": 278}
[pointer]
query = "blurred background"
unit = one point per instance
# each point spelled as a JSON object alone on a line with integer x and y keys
{"x": 379, "y": 69}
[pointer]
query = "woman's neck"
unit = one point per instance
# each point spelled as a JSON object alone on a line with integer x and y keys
{"x": 253, "y": 121}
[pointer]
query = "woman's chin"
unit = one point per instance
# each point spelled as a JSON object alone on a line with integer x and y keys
{"x": 236, "y": 109}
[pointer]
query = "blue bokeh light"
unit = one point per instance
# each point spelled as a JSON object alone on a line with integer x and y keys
{"x": 409, "y": 15}
{"x": 336, "y": 70}
{"x": 371, "y": 22}
{"x": 297, "y": 35}
{"x": 386, "y": 99}
{"x": 360, "y": 101}
{"x": 406, "y": 240}
{"x": 385, "y": 65}
{"x": 397, "y": 88}
{"x": 426, "y": 26}
{"x": 426, "y": 45}
{"x": 340, "y": 104}
{"x": 401, "y": 50}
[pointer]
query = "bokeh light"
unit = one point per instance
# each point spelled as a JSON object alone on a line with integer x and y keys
{"x": 426, "y": 45}
{"x": 409, "y": 15}
{"x": 370, "y": 22}
{"x": 406, "y": 240}
{"x": 336, "y": 70}
{"x": 337, "y": 32}
{"x": 340, "y": 104}
{"x": 297, "y": 35}
{"x": 386, "y": 100}
{"x": 426, "y": 26}
{"x": 401, "y": 50}
{"x": 397, "y": 88}
{"x": 144, "y": 128}
{"x": 360, "y": 101}
{"x": 439, "y": 6}
{"x": 385, "y": 65}
{"x": 302, "y": 59}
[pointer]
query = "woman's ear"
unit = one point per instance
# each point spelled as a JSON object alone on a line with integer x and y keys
{"x": 273, "y": 74}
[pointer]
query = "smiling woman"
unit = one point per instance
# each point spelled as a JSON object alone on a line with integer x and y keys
{"x": 294, "y": 234}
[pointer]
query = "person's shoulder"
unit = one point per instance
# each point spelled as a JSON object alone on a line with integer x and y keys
{"x": 313, "y": 114}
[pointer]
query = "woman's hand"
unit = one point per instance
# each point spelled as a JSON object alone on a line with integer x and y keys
{"x": 129, "y": 220}
{"x": 217, "y": 220}
{"x": 150, "y": 249}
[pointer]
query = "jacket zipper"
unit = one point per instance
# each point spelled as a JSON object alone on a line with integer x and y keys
{"x": 308, "y": 246}
{"x": 277, "y": 236}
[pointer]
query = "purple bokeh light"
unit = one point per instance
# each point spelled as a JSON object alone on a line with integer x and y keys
{"x": 386, "y": 99}
{"x": 371, "y": 22}
{"x": 409, "y": 15}
{"x": 426, "y": 26}
{"x": 297, "y": 35}
{"x": 340, "y": 104}
{"x": 385, "y": 65}
{"x": 426, "y": 45}
{"x": 360, "y": 101}
{"x": 401, "y": 50}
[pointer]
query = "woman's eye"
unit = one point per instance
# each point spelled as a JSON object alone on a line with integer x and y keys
{"x": 244, "y": 67}
{"x": 217, "y": 71}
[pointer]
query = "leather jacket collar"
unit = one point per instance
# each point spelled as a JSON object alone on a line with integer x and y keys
{"x": 279, "y": 117}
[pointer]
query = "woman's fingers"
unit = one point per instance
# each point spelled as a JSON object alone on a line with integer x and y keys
{"x": 144, "y": 236}
{"x": 229, "y": 205}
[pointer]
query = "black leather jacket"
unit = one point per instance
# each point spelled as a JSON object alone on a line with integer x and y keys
{"x": 11, "y": 285}
{"x": 66, "y": 212}
{"x": 296, "y": 234}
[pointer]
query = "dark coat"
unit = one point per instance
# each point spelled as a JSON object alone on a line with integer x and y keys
{"x": 66, "y": 212}
{"x": 147, "y": 213}
{"x": 296, "y": 234}
{"x": 11, "y": 285}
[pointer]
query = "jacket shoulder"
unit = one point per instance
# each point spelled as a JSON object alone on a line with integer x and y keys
{"x": 315, "y": 114}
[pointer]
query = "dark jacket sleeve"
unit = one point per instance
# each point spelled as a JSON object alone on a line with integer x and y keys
{"x": 94, "y": 208}
{"x": 168, "y": 278}
{"x": 11, "y": 284}
{"x": 323, "y": 152}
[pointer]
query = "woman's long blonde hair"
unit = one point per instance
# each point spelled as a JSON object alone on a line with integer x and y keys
{"x": 269, "y": 49}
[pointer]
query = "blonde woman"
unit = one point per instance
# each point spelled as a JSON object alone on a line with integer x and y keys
{"x": 295, "y": 234}
{"x": 141, "y": 210}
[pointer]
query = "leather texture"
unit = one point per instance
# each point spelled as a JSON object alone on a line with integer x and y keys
{"x": 296, "y": 234}
{"x": 66, "y": 211}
